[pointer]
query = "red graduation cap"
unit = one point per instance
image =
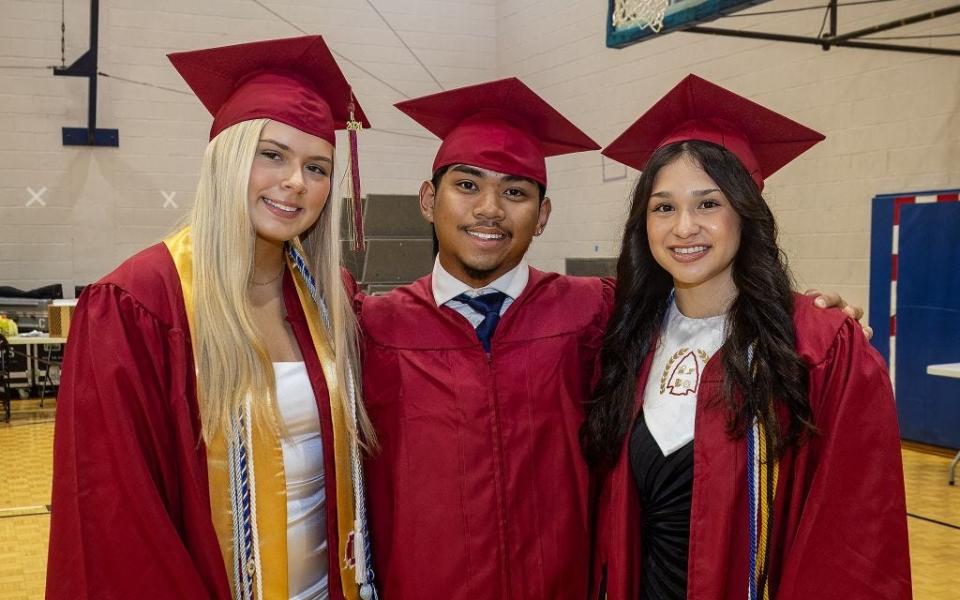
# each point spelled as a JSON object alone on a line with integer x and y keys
{"x": 500, "y": 125}
{"x": 696, "y": 109}
{"x": 295, "y": 81}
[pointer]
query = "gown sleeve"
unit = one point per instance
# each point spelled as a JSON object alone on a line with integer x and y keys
{"x": 608, "y": 290}
{"x": 120, "y": 527}
{"x": 851, "y": 540}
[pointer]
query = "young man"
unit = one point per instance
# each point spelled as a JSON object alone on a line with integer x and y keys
{"x": 479, "y": 489}
{"x": 475, "y": 375}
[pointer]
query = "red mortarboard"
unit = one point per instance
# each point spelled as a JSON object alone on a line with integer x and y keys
{"x": 696, "y": 109}
{"x": 500, "y": 125}
{"x": 294, "y": 80}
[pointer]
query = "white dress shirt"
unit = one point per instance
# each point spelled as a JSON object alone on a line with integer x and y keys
{"x": 446, "y": 287}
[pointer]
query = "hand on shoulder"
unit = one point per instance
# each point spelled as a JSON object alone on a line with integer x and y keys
{"x": 834, "y": 300}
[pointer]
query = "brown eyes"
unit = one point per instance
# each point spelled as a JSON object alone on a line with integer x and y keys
{"x": 665, "y": 208}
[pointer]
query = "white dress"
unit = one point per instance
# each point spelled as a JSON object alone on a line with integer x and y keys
{"x": 306, "y": 495}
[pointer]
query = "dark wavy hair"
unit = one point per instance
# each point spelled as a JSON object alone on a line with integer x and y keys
{"x": 760, "y": 317}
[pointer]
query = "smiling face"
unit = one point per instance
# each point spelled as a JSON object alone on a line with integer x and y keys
{"x": 693, "y": 230}
{"x": 484, "y": 221}
{"x": 289, "y": 182}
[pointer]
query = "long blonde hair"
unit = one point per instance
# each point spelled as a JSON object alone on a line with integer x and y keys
{"x": 231, "y": 358}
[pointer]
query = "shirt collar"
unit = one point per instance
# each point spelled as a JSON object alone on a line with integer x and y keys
{"x": 446, "y": 287}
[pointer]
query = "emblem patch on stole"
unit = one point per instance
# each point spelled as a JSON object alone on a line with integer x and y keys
{"x": 681, "y": 375}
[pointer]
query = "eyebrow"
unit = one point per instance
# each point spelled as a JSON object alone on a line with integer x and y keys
{"x": 467, "y": 170}
{"x": 478, "y": 173}
{"x": 287, "y": 148}
{"x": 510, "y": 178}
{"x": 698, "y": 193}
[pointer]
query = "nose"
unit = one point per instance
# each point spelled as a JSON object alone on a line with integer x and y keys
{"x": 686, "y": 224}
{"x": 294, "y": 181}
{"x": 488, "y": 206}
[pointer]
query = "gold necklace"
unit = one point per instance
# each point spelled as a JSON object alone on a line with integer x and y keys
{"x": 268, "y": 282}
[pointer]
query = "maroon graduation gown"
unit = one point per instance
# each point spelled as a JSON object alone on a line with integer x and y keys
{"x": 839, "y": 524}
{"x": 479, "y": 490}
{"x": 131, "y": 509}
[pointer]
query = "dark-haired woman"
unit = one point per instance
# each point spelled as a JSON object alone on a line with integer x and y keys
{"x": 749, "y": 441}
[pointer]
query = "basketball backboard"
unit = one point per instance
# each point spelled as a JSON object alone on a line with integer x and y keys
{"x": 679, "y": 14}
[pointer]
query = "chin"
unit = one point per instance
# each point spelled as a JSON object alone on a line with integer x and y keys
{"x": 480, "y": 269}
{"x": 275, "y": 236}
{"x": 686, "y": 278}
{"x": 483, "y": 266}
{"x": 690, "y": 281}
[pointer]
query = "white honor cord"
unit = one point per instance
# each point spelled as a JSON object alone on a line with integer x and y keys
{"x": 359, "y": 495}
{"x": 235, "y": 512}
{"x": 243, "y": 507}
{"x": 356, "y": 469}
{"x": 248, "y": 421}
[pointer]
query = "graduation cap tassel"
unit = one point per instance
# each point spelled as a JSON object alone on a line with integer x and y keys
{"x": 353, "y": 126}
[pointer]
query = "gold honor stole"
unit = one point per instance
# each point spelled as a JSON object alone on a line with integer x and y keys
{"x": 270, "y": 483}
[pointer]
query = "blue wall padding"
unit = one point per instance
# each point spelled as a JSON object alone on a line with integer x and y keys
{"x": 881, "y": 243}
{"x": 928, "y": 322}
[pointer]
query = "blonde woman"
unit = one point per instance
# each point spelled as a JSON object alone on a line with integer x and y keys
{"x": 208, "y": 427}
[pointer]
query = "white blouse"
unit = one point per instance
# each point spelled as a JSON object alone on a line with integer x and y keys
{"x": 306, "y": 494}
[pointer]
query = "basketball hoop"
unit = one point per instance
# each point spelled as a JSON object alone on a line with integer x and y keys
{"x": 640, "y": 13}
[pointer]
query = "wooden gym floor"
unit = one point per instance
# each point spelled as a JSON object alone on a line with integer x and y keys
{"x": 25, "y": 466}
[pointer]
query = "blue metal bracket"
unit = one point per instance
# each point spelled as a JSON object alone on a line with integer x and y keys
{"x": 86, "y": 66}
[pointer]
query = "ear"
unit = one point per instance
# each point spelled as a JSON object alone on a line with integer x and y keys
{"x": 544, "y": 216}
{"x": 428, "y": 196}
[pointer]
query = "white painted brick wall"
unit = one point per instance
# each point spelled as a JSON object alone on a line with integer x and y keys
{"x": 891, "y": 121}
{"x": 104, "y": 204}
{"x": 890, "y": 118}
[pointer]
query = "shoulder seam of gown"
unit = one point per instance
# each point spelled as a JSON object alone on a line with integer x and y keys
{"x": 830, "y": 350}
{"x": 115, "y": 288}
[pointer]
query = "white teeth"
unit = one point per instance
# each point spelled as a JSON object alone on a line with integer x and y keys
{"x": 690, "y": 250}
{"x": 288, "y": 209}
{"x": 486, "y": 236}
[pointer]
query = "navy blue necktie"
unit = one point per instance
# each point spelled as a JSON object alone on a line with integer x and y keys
{"x": 489, "y": 306}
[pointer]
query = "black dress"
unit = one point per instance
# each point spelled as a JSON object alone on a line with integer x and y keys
{"x": 665, "y": 484}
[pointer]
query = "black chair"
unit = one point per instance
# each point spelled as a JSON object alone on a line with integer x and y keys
{"x": 5, "y": 355}
{"x": 47, "y": 362}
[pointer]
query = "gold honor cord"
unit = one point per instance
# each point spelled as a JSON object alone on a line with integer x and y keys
{"x": 271, "y": 488}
